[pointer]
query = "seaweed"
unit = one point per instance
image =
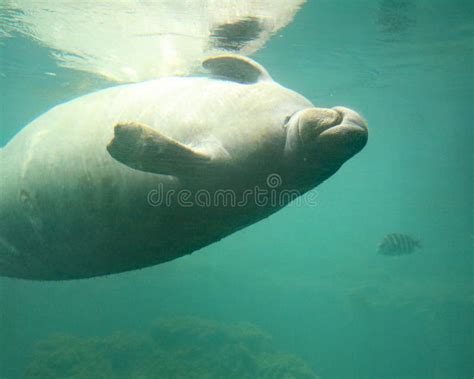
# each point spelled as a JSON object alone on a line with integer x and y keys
{"x": 185, "y": 347}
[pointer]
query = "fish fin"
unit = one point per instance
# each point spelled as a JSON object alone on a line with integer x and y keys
{"x": 142, "y": 148}
{"x": 236, "y": 68}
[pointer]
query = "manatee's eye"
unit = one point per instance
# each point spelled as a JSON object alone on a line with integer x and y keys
{"x": 285, "y": 123}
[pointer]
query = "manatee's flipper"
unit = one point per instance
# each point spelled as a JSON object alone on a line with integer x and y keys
{"x": 143, "y": 148}
{"x": 236, "y": 68}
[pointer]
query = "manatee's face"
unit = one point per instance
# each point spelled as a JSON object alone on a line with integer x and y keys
{"x": 321, "y": 140}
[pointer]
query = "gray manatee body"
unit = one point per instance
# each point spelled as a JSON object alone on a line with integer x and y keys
{"x": 140, "y": 174}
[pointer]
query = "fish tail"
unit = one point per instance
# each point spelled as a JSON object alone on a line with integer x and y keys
{"x": 418, "y": 244}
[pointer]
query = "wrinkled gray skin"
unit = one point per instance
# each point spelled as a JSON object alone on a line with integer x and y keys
{"x": 81, "y": 183}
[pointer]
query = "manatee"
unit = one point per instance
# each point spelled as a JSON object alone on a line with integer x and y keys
{"x": 140, "y": 174}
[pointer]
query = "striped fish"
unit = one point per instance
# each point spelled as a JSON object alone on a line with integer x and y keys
{"x": 398, "y": 244}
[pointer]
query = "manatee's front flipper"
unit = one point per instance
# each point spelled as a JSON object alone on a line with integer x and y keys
{"x": 236, "y": 68}
{"x": 143, "y": 148}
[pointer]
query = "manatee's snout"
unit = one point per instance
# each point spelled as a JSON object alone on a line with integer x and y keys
{"x": 338, "y": 132}
{"x": 351, "y": 120}
{"x": 314, "y": 121}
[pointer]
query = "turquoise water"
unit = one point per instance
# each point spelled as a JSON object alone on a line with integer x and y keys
{"x": 309, "y": 276}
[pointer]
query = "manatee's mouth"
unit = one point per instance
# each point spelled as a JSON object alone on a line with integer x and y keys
{"x": 351, "y": 120}
{"x": 336, "y": 120}
{"x": 336, "y": 134}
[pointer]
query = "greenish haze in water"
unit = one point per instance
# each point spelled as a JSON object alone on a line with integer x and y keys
{"x": 310, "y": 276}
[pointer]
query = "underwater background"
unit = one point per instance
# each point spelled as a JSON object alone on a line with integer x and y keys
{"x": 303, "y": 292}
